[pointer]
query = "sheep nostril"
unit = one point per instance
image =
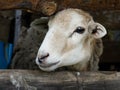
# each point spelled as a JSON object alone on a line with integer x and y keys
{"x": 42, "y": 58}
{"x": 39, "y": 60}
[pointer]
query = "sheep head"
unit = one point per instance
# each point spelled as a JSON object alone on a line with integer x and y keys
{"x": 69, "y": 40}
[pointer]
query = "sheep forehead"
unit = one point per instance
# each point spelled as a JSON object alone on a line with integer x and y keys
{"x": 69, "y": 17}
{"x": 66, "y": 14}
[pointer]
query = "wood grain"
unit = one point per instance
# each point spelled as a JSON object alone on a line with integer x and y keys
{"x": 62, "y": 80}
{"x": 49, "y": 7}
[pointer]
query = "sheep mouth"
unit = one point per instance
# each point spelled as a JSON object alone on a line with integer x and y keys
{"x": 48, "y": 65}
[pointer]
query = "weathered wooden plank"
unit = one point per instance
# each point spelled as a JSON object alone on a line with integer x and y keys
{"x": 48, "y": 7}
{"x": 99, "y": 81}
{"x": 62, "y": 80}
{"x": 40, "y": 80}
{"x": 39, "y": 6}
{"x": 112, "y": 85}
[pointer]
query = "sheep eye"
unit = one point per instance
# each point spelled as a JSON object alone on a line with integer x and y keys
{"x": 80, "y": 30}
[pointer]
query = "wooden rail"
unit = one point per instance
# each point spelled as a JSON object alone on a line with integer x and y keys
{"x": 62, "y": 80}
{"x": 48, "y": 7}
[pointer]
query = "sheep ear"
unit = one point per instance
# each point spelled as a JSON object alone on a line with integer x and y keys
{"x": 38, "y": 23}
{"x": 99, "y": 31}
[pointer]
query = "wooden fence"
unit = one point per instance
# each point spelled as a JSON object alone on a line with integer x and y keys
{"x": 62, "y": 80}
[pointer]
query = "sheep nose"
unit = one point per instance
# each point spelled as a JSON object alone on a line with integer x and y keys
{"x": 43, "y": 57}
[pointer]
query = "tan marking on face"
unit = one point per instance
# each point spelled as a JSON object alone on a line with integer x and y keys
{"x": 86, "y": 16}
{"x": 60, "y": 21}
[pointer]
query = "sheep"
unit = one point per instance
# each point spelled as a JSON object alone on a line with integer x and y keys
{"x": 87, "y": 37}
{"x": 28, "y": 43}
{"x": 73, "y": 40}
